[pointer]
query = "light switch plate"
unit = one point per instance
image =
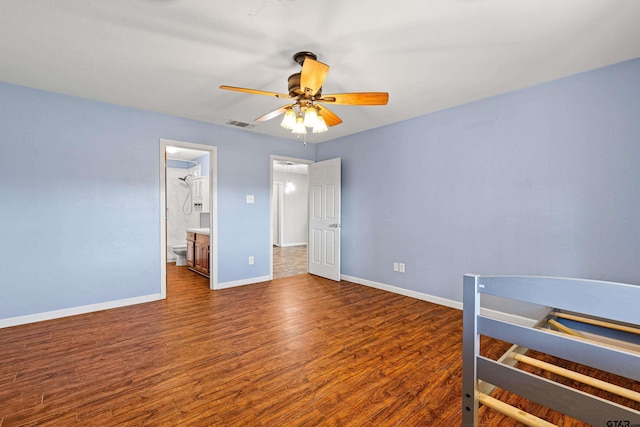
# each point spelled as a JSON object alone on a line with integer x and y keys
{"x": 250, "y": 198}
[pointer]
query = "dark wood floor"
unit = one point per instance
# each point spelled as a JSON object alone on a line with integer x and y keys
{"x": 300, "y": 351}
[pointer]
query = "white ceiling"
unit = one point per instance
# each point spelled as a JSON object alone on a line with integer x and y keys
{"x": 181, "y": 153}
{"x": 170, "y": 56}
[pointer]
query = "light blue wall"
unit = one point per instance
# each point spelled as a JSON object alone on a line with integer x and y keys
{"x": 539, "y": 181}
{"x": 543, "y": 181}
{"x": 204, "y": 162}
{"x": 80, "y": 199}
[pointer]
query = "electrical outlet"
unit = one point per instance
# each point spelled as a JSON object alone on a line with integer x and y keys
{"x": 250, "y": 198}
{"x": 251, "y": 260}
{"x": 401, "y": 267}
{"x": 395, "y": 266}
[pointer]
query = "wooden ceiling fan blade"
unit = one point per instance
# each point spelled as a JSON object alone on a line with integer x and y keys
{"x": 312, "y": 76}
{"x": 330, "y": 118}
{"x": 275, "y": 113}
{"x": 255, "y": 91}
{"x": 356, "y": 98}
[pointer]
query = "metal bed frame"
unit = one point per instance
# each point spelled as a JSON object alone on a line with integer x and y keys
{"x": 617, "y": 303}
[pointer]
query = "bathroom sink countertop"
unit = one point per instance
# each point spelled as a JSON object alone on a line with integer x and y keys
{"x": 199, "y": 230}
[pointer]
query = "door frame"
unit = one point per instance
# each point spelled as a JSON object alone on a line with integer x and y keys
{"x": 272, "y": 158}
{"x": 280, "y": 186}
{"x": 213, "y": 210}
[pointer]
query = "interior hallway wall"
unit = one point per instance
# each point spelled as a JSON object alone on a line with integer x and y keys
{"x": 294, "y": 209}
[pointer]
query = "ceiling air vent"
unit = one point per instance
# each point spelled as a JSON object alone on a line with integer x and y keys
{"x": 239, "y": 124}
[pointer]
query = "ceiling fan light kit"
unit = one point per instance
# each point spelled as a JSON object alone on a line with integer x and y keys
{"x": 310, "y": 116}
{"x": 299, "y": 127}
{"x": 289, "y": 119}
{"x": 305, "y": 90}
{"x": 298, "y": 123}
{"x": 320, "y": 126}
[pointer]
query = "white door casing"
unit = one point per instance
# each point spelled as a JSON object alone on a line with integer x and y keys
{"x": 213, "y": 209}
{"x": 273, "y": 159}
{"x": 324, "y": 218}
{"x": 276, "y": 213}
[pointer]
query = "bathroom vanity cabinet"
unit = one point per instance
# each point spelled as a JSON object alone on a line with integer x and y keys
{"x": 198, "y": 252}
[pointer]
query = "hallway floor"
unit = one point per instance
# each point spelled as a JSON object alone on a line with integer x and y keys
{"x": 289, "y": 261}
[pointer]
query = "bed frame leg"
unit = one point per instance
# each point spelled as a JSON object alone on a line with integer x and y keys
{"x": 470, "y": 351}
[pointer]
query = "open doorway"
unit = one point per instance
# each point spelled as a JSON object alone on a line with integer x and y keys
{"x": 188, "y": 211}
{"x": 289, "y": 216}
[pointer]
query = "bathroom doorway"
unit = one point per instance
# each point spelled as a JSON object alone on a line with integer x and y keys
{"x": 289, "y": 218}
{"x": 188, "y": 204}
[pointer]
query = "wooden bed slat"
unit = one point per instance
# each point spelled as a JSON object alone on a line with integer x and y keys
{"x": 606, "y": 358}
{"x": 604, "y": 324}
{"x": 513, "y": 412}
{"x": 562, "y": 328}
{"x": 575, "y": 403}
{"x": 559, "y": 326}
{"x": 594, "y": 382}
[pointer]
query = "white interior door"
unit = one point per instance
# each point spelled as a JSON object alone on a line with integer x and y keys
{"x": 324, "y": 218}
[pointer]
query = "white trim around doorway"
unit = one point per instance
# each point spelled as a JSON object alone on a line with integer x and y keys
{"x": 213, "y": 209}
{"x": 272, "y": 158}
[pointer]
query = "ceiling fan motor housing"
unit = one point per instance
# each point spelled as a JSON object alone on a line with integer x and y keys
{"x": 294, "y": 86}
{"x": 301, "y": 56}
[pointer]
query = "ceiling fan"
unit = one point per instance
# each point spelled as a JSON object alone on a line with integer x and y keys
{"x": 305, "y": 96}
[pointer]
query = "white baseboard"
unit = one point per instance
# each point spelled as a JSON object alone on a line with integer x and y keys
{"x": 56, "y": 314}
{"x": 286, "y": 245}
{"x": 513, "y": 318}
{"x": 249, "y": 281}
{"x": 406, "y": 292}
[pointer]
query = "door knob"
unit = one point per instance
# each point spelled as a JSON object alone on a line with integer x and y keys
{"x": 335, "y": 225}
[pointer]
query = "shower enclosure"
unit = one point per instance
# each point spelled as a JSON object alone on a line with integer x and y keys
{"x": 181, "y": 213}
